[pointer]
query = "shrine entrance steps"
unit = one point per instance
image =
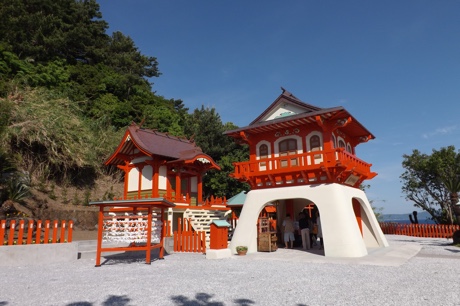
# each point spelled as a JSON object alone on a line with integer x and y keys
{"x": 201, "y": 219}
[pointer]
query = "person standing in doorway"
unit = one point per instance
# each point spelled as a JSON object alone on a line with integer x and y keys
{"x": 304, "y": 231}
{"x": 288, "y": 227}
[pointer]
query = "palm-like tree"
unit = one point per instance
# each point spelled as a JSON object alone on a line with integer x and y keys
{"x": 14, "y": 187}
{"x": 453, "y": 187}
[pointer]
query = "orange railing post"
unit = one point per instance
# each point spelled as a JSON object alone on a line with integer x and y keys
{"x": 419, "y": 230}
{"x": 20, "y": 231}
{"x": 69, "y": 234}
{"x": 62, "y": 236}
{"x": 203, "y": 241}
{"x": 30, "y": 229}
{"x": 47, "y": 231}
{"x": 11, "y": 233}
{"x": 2, "y": 232}
{"x": 55, "y": 228}
{"x": 38, "y": 231}
{"x": 26, "y": 235}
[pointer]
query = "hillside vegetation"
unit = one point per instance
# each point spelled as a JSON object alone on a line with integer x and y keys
{"x": 68, "y": 90}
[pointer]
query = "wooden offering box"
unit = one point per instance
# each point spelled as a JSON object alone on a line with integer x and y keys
{"x": 266, "y": 239}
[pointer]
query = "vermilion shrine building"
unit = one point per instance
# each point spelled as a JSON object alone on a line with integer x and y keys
{"x": 302, "y": 154}
{"x": 158, "y": 165}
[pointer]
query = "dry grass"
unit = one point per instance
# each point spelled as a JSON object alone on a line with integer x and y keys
{"x": 55, "y": 202}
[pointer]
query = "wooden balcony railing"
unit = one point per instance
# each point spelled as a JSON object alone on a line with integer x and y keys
{"x": 310, "y": 161}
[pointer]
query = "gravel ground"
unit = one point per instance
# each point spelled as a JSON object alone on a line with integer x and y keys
{"x": 429, "y": 278}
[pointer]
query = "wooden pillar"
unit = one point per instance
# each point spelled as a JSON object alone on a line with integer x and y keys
{"x": 100, "y": 226}
{"x": 163, "y": 231}
{"x": 126, "y": 168}
{"x": 155, "y": 179}
{"x": 199, "y": 189}
{"x": 149, "y": 235}
{"x": 178, "y": 186}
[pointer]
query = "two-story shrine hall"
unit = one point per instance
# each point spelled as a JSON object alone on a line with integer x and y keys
{"x": 302, "y": 154}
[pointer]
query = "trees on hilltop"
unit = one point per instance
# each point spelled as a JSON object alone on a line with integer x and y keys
{"x": 68, "y": 90}
{"x": 432, "y": 183}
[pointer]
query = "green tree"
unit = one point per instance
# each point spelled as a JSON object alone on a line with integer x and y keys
{"x": 206, "y": 127}
{"x": 45, "y": 30}
{"x": 220, "y": 183}
{"x": 163, "y": 118}
{"x": 431, "y": 182}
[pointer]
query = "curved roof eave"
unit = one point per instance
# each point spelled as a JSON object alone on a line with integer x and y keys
{"x": 123, "y": 144}
{"x": 201, "y": 157}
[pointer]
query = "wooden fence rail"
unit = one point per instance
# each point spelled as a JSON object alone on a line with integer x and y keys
{"x": 419, "y": 230}
{"x": 32, "y": 232}
{"x": 188, "y": 240}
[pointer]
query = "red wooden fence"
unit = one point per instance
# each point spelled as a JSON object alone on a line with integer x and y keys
{"x": 188, "y": 240}
{"x": 45, "y": 232}
{"x": 419, "y": 230}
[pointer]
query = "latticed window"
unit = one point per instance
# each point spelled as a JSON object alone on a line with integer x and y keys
{"x": 349, "y": 148}
{"x": 263, "y": 153}
{"x": 288, "y": 147}
{"x": 315, "y": 145}
{"x": 341, "y": 144}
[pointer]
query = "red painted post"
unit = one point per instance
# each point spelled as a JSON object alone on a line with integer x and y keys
{"x": 30, "y": 229}
{"x": 70, "y": 232}
{"x": 20, "y": 231}
{"x": 196, "y": 242}
{"x": 162, "y": 238}
{"x": 62, "y": 236}
{"x": 176, "y": 241}
{"x": 2, "y": 232}
{"x": 149, "y": 235}
{"x": 203, "y": 239}
{"x": 55, "y": 230}
{"x": 38, "y": 232}
{"x": 11, "y": 234}
{"x": 47, "y": 231}
{"x": 100, "y": 229}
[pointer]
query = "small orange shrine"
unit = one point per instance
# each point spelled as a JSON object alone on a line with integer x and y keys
{"x": 162, "y": 172}
{"x": 302, "y": 154}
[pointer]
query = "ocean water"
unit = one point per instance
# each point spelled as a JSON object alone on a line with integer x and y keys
{"x": 423, "y": 218}
{"x": 407, "y": 221}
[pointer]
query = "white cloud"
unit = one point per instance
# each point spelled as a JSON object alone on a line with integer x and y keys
{"x": 440, "y": 131}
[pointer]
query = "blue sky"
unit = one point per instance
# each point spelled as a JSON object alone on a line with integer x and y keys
{"x": 394, "y": 65}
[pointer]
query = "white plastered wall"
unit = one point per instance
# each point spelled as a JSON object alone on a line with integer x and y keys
{"x": 162, "y": 177}
{"x": 147, "y": 173}
{"x": 341, "y": 233}
{"x": 133, "y": 180}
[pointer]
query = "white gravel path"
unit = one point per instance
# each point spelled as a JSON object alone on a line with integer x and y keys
{"x": 431, "y": 277}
